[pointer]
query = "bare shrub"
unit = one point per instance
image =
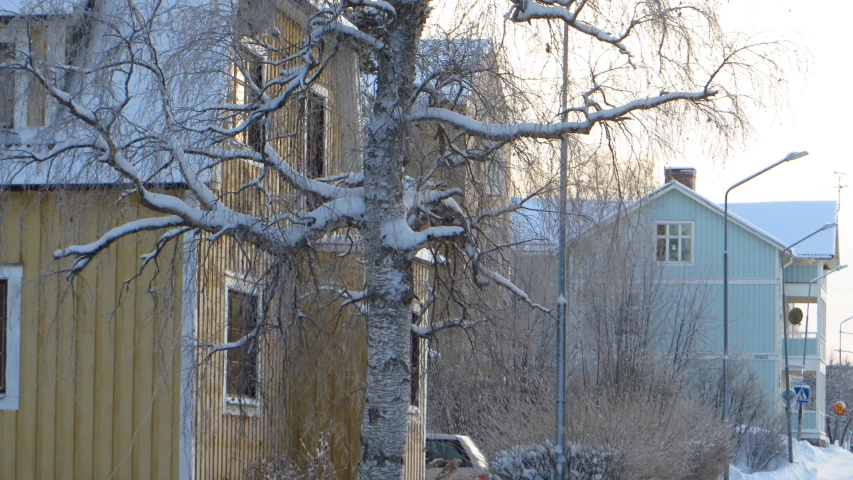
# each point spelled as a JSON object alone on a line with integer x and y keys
{"x": 316, "y": 465}
{"x": 762, "y": 445}
{"x": 659, "y": 434}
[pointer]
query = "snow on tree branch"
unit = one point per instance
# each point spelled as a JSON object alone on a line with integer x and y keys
{"x": 425, "y": 331}
{"x": 398, "y": 235}
{"x": 84, "y": 253}
{"x": 511, "y": 131}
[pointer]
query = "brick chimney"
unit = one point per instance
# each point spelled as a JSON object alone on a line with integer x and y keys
{"x": 683, "y": 175}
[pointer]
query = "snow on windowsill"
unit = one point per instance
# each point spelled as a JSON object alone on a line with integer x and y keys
{"x": 242, "y": 406}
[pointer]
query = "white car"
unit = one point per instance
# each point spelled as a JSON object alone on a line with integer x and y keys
{"x": 454, "y": 457}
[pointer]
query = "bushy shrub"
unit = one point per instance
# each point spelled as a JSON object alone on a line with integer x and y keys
{"x": 317, "y": 465}
{"x": 537, "y": 462}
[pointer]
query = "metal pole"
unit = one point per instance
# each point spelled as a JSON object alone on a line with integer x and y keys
{"x": 561, "y": 302}
{"x": 806, "y": 339}
{"x": 783, "y": 307}
{"x": 789, "y": 157}
{"x": 787, "y": 371}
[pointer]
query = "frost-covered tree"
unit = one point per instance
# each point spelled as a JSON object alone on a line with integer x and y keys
{"x": 145, "y": 98}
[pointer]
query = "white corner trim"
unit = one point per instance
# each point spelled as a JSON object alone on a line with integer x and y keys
{"x": 189, "y": 322}
{"x": 14, "y": 274}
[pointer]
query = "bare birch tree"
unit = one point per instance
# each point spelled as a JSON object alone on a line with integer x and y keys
{"x": 146, "y": 100}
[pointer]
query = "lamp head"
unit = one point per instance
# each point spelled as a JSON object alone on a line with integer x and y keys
{"x": 795, "y": 155}
{"x": 828, "y": 226}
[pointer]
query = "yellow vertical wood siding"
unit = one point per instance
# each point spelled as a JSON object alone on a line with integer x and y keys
{"x": 99, "y": 383}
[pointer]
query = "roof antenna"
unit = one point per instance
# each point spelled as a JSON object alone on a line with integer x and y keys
{"x": 840, "y": 175}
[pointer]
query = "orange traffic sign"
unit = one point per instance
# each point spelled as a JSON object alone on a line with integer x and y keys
{"x": 839, "y": 408}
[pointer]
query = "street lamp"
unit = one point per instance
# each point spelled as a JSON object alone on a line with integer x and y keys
{"x": 805, "y": 340}
{"x": 788, "y": 158}
{"x": 839, "y": 337}
{"x": 785, "y": 328}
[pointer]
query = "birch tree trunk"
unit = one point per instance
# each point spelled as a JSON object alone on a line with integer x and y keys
{"x": 389, "y": 277}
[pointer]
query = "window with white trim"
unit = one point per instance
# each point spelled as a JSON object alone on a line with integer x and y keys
{"x": 10, "y": 336}
{"x": 674, "y": 242}
{"x": 242, "y": 364}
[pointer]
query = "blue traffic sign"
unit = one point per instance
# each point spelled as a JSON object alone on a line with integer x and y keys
{"x": 802, "y": 393}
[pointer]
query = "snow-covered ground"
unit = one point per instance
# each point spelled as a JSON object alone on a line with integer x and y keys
{"x": 833, "y": 463}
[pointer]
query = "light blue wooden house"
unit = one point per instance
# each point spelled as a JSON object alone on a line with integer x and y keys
{"x": 671, "y": 243}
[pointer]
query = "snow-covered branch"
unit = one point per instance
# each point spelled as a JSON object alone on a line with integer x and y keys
{"x": 224, "y": 347}
{"x": 425, "y": 331}
{"x": 511, "y": 131}
{"x": 397, "y": 234}
{"x": 84, "y": 253}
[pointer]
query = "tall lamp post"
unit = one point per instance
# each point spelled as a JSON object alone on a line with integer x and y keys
{"x": 785, "y": 327}
{"x": 561, "y": 274}
{"x": 805, "y": 340}
{"x": 788, "y": 158}
{"x": 839, "y": 337}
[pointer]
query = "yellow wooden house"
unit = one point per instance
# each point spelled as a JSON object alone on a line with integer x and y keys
{"x": 112, "y": 373}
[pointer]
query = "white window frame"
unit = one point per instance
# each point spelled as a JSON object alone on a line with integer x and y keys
{"x": 238, "y": 405}
{"x": 14, "y": 275}
{"x": 668, "y": 236}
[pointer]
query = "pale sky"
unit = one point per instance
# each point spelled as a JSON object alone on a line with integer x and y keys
{"x": 814, "y": 119}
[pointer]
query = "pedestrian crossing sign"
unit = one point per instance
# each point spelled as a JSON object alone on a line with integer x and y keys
{"x": 802, "y": 393}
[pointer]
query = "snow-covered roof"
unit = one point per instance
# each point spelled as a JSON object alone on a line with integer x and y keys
{"x": 539, "y": 221}
{"x": 778, "y": 223}
{"x": 536, "y": 224}
{"x": 791, "y": 221}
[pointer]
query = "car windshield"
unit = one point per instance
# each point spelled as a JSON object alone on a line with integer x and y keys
{"x": 446, "y": 450}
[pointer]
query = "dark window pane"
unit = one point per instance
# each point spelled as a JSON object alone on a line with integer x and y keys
{"x": 686, "y": 229}
{"x": 4, "y": 318}
{"x": 673, "y": 229}
{"x": 416, "y": 370}
{"x": 661, "y": 250}
{"x": 256, "y": 132}
{"x": 686, "y": 249}
{"x": 661, "y": 229}
{"x": 242, "y": 375}
{"x": 315, "y": 135}
{"x": 7, "y": 87}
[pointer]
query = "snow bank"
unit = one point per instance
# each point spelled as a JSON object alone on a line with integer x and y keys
{"x": 809, "y": 463}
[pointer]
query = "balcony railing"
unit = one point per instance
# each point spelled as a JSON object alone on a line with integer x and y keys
{"x": 810, "y": 421}
{"x": 815, "y": 345}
